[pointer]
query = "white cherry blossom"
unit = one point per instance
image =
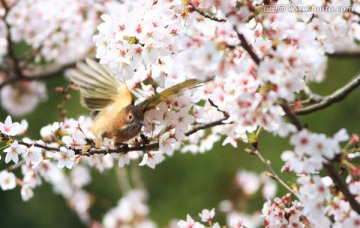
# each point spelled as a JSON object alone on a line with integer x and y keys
{"x": 7, "y": 180}
{"x": 151, "y": 159}
{"x": 14, "y": 151}
{"x": 9, "y": 128}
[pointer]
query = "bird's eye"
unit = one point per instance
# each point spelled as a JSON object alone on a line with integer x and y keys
{"x": 130, "y": 116}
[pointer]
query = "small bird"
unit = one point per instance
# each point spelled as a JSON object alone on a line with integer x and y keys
{"x": 116, "y": 117}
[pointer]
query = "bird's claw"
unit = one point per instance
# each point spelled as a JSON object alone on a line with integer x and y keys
{"x": 144, "y": 139}
{"x": 121, "y": 145}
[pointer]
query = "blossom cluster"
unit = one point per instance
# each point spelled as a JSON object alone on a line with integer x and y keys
{"x": 59, "y": 143}
{"x": 312, "y": 151}
{"x": 22, "y": 97}
{"x": 251, "y": 64}
{"x": 283, "y": 213}
{"x": 131, "y": 211}
{"x": 315, "y": 208}
{"x": 207, "y": 220}
{"x": 206, "y": 216}
{"x": 251, "y": 182}
{"x": 60, "y": 37}
{"x": 38, "y": 165}
{"x": 52, "y": 36}
{"x": 251, "y": 185}
{"x": 170, "y": 42}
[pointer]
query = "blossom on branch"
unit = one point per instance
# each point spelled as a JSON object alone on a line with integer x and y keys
{"x": 151, "y": 159}
{"x": 33, "y": 155}
{"x": 65, "y": 158}
{"x": 255, "y": 67}
{"x": 312, "y": 151}
{"x": 14, "y": 151}
{"x": 207, "y": 216}
{"x": 56, "y": 37}
{"x": 9, "y": 128}
{"x": 190, "y": 222}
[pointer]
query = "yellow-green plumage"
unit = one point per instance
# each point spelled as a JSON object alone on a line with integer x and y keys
{"x": 174, "y": 90}
{"x": 101, "y": 91}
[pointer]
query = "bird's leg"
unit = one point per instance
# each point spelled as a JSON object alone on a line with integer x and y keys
{"x": 90, "y": 142}
{"x": 137, "y": 142}
{"x": 144, "y": 139}
{"x": 121, "y": 144}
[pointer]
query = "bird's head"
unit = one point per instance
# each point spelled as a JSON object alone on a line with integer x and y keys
{"x": 134, "y": 115}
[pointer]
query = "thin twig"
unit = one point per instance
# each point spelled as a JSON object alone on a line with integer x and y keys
{"x": 15, "y": 62}
{"x": 15, "y": 166}
{"x": 208, "y": 125}
{"x": 337, "y": 96}
{"x": 311, "y": 97}
{"x": 121, "y": 150}
{"x": 124, "y": 149}
{"x": 42, "y": 146}
{"x": 36, "y": 74}
{"x": 247, "y": 47}
{"x": 345, "y": 54}
{"x": 292, "y": 116}
{"x": 353, "y": 6}
{"x": 340, "y": 183}
{"x": 206, "y": 15}
{"x": 328, "y": 166}
{"x": 226, "y": 114}
{"x": 273, "y": 173}
{"x": 287, "y": 110}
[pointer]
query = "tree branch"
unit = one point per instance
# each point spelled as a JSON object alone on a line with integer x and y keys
{"x": 208, "y": 125}
{"x": 337, "y": 96}
{"x": 311, "y": 97}
{"x": 345, "y": 54}
{"x": 292, "y": 116}
{"x": 342, "y": 187}
{"x": 208, "y": 16}
{"x": 17, "y": 73}
{"x": 273, "y": 173}
{"x": 121, "y": 150}
{"x": 247, "y": 47}
{"x": 154, "y": 146}
{"x": 329, "y": 167}
{"x": 15, "y": 166}
{"x": 36, "y": 74}
{"x": 15, "y": 62}
{"x": 354, "y": 12}
{"x": 326, "y": 101}
{"x": 124, "y": 149}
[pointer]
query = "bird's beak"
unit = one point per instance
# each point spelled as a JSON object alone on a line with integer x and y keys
{"x": 140, "y": 122}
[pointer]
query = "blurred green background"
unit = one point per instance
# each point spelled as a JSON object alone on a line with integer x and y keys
{"x": 184, "y": 183}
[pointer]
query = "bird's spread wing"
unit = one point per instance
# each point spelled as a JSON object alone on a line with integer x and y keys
{"x": 160, "y": 97}
{"x": 99, "y": 87}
